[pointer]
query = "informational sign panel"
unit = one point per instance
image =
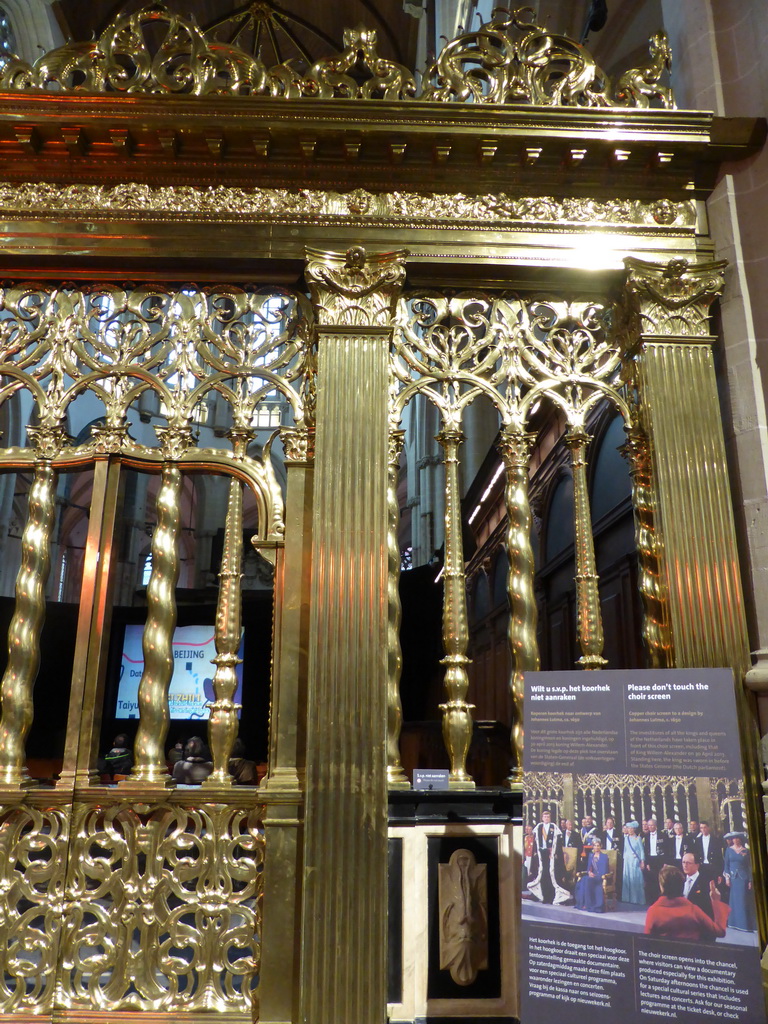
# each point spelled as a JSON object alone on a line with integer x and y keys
{"x": 638, "y": 903}
{"x": 191, "y": 690}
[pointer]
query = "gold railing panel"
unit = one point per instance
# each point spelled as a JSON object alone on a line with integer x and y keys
{"x": 111, "y": 901}
{"x": 163, "y": 904}
{"x": 456, "y": 348}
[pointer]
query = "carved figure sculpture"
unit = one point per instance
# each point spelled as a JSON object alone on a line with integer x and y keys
{"x": 463, "y": 907}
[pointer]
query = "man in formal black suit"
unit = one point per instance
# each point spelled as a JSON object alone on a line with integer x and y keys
{"x": 696, "y": 884}
{"x": 655, "y": 859}
{"x": 610, "y": 835}
{"x": 693, "y": 834}
{"x": 572, "y": 836}
{"x": 709, "y": 851}
{"x": 676, "y": 846}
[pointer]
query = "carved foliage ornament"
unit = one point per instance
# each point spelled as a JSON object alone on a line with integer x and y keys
{"x": 278, "y": 204}
{"x": 356, "y": 288}
{"x": 669, "y": 299}
{"x": 511, "y": 59}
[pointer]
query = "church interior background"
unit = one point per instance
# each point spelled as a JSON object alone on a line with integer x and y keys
{"x": 418, "y": 346}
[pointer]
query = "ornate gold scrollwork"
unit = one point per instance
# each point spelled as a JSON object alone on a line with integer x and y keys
{"x": 33, "y": 867}
{"x": 490, "y": 65}
{"x": 486, "y": 66}
{"x": 163, "y": 908}
{"x": 122, "y": 60}
{"x": 386, "y": 80}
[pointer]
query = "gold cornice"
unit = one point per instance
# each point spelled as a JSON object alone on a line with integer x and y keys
{"x": 323, "y": 143}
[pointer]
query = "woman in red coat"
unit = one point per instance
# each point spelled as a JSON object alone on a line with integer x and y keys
{"x": 673, "y": 916}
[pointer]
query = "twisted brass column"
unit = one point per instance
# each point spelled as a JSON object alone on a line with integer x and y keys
{"x": 25, "y": 629}
{"x": 515, "y": 448}
{"x": 457, "y": 718}
{"x": 656, "y": 630}
{"x": 396, "y": 778}
{"x": 590, "y": 624}
{"x": 157, "y": 642}
{"x": 222, "y": 723}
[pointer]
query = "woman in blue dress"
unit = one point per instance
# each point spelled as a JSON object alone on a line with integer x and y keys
{"x": 589, "y": 888}
{"x": 737, "y": 871}
{"x": 632, "y": 888}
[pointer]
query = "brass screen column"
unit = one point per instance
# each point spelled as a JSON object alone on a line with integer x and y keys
{"x": 668, "y": 356}
{"x": 343, "y": 934}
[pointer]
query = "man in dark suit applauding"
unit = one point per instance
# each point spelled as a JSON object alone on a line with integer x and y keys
{"x": 696, "y": 884}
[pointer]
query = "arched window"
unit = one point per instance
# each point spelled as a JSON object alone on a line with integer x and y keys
{"x": 7, "y": 37}
{"x": 559, "y": 529}
{"x": 611, "y": 483}
{"x": 146, "y": 570}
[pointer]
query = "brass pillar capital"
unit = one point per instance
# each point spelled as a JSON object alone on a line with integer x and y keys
{"x": 355, "y": 288}
{"x": 668, "y": 300}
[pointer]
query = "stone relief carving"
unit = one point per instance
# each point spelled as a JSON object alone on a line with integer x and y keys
{"x": 463, "y": 908}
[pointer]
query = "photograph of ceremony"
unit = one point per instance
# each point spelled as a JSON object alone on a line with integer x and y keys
{"x": 663, "y": 856}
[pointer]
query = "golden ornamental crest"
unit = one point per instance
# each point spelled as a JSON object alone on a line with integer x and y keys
{"x": 510, "y": 59}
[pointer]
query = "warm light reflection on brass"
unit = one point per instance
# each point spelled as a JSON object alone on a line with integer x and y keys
{"x": 26, "y": 626}
{"x": 590, "y": 621}
{"x": 515, "y": 448}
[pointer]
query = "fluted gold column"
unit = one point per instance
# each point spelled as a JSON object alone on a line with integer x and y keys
{"x": 283, "y": 788}
{"x": 652, "y": 591}
{"x": 222, "y": 723}
{"x": 396, "y": 778}
{"x": 590, "y": 622}
{"x": 457, "y": 713}
{"x": 344, "y": 900}
{"x": 515, "y": 448}
{"x": 157, "y": 642}
{"x": 663, "y": 329}
{"x": 667, "y": 352}
{"x": 26, "y": 626}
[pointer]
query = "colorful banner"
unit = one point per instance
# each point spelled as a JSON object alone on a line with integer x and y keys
{"x": 638, "y": 903}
